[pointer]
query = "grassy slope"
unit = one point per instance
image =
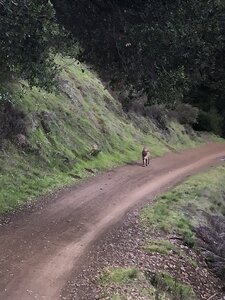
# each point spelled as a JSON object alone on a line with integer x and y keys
{"x": 81, "y": 115}
{"x": 184, "y": 207}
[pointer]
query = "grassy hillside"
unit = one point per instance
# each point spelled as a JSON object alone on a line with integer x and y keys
{"x": 188, "y": 206}
{"x": 81, "y": 127}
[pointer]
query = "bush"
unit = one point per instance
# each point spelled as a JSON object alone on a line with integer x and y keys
{"x": 13, "y": 121}
{"x": 186, "y": 114}
{"x": 138, "y": 106}
{"x": 157, "y": 113}
{"x": 210, "y": 121}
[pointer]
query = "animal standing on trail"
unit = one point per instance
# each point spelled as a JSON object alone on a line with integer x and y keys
{"x": 145, "y": 156}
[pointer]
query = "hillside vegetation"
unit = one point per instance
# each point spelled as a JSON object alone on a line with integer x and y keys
{"x": 50, "y": 140}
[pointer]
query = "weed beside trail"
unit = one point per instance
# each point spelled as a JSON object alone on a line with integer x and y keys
{"x": 134, "y": 284}
{"x": 161, "y": 246}
{"x": 172, "y": 286}
{"x": 168, "y": 215}
{"x": 119, "y": 275}
{"x": 182, "y": 209}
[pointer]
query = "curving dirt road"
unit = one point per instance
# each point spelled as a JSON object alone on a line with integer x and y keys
{"x": 41, "y": 246}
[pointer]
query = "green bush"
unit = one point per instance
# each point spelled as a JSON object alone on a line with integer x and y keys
{"x": 186, "y": 114}
{"x": 210, "y": 121}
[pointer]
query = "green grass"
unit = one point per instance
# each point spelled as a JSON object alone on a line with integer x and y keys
{"x": 161, "y": 246}
{"x": 153, "y": 286}
{"x": 179, "y": 210}
{"x": 165, "y": 247}
{"x": 117, "y": 297}
{"x": 119, "y": 275}
{"x": 177, "y": 290}
{"x": 162, "y": 216}
{"x": 81, "y": 114}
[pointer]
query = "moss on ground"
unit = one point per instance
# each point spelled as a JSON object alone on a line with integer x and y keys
{"x": 117, "y": 297}
{"x": 119, "y": 275}
{"x": 166, "y": 247}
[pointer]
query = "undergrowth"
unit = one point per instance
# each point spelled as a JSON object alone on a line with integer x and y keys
{"x": 165, "y": 282}
{"x": 160, "y": 246}
{"x": 131, "y": 283}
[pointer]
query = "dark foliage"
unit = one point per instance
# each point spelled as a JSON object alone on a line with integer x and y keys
{"x": 29, "y": 38}
{"x": 186, "y": 114}
{"x": 210, "y": 121}
{"x": 169, "y": 50}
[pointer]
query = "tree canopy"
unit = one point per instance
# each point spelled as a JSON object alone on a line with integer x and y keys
{"x": 29, "y": 38}
{"x": 170, "y": 50}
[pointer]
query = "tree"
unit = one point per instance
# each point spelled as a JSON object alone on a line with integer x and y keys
{"x": 29, "y": 37}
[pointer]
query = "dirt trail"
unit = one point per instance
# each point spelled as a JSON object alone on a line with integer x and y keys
{"x": 40, "y": 247}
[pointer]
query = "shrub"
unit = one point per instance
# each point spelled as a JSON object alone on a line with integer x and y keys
{"x": 13, "y": 121}
{"x": 210, "y": 121}
{"x": 157, "y": 113}
{"x": 186, "y": 114}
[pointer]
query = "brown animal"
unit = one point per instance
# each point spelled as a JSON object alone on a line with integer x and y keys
{"x": 145, "y": 156}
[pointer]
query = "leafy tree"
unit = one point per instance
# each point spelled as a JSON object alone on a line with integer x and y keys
{"x": 29, "y": 38}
